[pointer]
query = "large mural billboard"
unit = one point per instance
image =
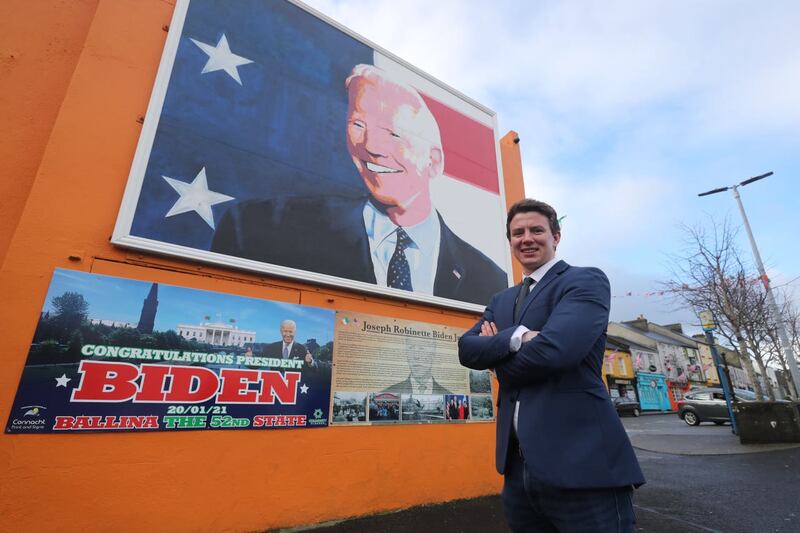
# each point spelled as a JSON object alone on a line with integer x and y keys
{"x": 277, "y": 141}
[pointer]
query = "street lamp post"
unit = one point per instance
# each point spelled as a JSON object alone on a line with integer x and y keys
{"x": 787, "y": 346}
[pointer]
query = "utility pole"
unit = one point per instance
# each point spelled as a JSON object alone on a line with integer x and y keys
{"x": 773, "y": 306}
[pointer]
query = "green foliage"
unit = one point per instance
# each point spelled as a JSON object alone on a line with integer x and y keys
{"x": 147, "y": 340}
{"x": 124, "y": 337}
{"x": 71, "y": 310}
{"x": 325, "y": 353}
{"x": 74, "y": 346}
{"x": 47, "y": 352}
{"x": 47, "y": 348}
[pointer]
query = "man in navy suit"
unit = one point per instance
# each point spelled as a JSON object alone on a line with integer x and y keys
{"x": 393, "y": 237}
{"x": 567, "y": 461}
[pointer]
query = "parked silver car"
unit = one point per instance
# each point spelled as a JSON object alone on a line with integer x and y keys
{"x": 708, "y": 405}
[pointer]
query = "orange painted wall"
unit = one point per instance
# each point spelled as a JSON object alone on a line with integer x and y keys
{"x": 36, "y": 64}
{"x": 172, "y": 481}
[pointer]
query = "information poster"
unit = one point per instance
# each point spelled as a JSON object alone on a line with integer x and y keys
{"x": 115, "y": 354}
{"x": 399, "y": 371}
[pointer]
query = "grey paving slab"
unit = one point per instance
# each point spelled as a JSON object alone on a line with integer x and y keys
{"x": 669, "y": 434}
{"x": 699, "y": 479}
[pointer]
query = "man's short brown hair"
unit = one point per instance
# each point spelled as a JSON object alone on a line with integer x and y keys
{"x": 527, "y": 205}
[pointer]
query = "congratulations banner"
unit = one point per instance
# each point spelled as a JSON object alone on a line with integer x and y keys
{"x": 114, "y": 354}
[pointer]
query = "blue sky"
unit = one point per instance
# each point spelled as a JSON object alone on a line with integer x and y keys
{"x": 626, "y": 110}
{"x": 112, "y": 298}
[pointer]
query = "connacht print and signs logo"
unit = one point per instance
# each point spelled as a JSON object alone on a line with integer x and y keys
{"x": 32, "y": 410}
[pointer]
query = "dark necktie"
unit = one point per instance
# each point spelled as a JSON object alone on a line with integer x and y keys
{"x": 523, "y": 293}
{"x": 399, "y": 275}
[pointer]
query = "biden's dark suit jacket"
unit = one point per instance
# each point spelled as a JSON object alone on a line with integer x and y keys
{"x": 275, "y": 349}
{"x": 327, "y": 235}
{"x": 568, "y": 429}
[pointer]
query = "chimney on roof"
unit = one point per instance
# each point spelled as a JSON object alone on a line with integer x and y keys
{"x": 677, "y": 328}
{"x": 640, "y": 323}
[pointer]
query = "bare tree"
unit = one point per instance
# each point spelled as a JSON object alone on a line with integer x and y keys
{"x": 710, "y": 275}
{"x": 773, "y": 347}
{"x": 756, "y": 326}
{"x": 792, "y": 318}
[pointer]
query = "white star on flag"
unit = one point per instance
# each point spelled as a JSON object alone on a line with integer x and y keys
{"x": 196, "y": 197}
{"x": 220, "y": 57}
{"x": 62, "y": 381}
{"x": 303, "y": 388}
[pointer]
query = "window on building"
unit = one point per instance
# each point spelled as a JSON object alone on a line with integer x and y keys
{"x": 699, "y": 396}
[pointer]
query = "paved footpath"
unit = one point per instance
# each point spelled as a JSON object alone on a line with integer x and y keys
{"x": 700, "y": 479}
{"x": 666, "y": 433}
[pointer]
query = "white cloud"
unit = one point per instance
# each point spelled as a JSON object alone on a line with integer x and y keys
{"x": 727, "y": 65}
{"x": 603, "y": 216}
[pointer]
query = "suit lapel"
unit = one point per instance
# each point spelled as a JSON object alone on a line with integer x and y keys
{"x": 504, "y": 314}
{"x": 450, "y": 270}
{"x": 555, "y": 271}
{"x": 347, "y": 229}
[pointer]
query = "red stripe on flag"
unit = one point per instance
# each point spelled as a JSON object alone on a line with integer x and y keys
{"x": 469, "y": 151}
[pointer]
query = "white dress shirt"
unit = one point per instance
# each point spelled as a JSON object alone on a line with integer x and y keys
{"x": 422, "y": 254}
{"x": 516, "y": 339}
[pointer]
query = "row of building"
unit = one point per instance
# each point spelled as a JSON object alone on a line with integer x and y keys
{"x": 658, "y": 364}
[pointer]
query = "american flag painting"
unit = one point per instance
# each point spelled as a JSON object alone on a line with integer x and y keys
{"x": 246, "y": 160}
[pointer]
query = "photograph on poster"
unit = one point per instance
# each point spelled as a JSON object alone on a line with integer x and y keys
{"x": 349, "y": 407}
{"x": 481, "y": 407}
{"x": 420, "y": 356}
{"x": 456, "y": 407}
{"x": 266, "y": 117}
{"x": 112, "y": 353}
{"x": 422, "y": 408}
{"x": 480, "y": 381}
{"x": 384, "y": 407}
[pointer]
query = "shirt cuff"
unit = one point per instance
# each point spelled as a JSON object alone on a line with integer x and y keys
{"x": 516, "y": 338}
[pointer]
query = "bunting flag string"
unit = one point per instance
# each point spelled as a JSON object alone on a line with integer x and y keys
{"x": 644, "y": 294}
{"x": 685, "y": 287}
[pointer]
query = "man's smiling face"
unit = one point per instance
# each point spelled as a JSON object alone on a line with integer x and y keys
{"x": 532, "y": 241}
{"x": 384, "y": 137}
{"x": 287, "y": 333}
